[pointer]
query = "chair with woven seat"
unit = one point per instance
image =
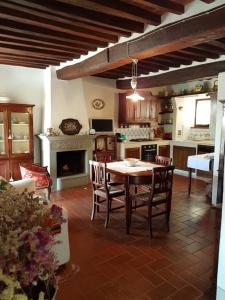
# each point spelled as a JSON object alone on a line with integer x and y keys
{"x": 159, "y": 194}
{"x": 103, "y": 192}
{"x": 163, "y": 160}
{"x": 39, "y": 174}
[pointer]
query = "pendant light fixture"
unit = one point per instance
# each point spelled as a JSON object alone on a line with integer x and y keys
{"x": 135, "y": 96}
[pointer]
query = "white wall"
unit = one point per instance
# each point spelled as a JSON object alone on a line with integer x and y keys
{"x": 73, "y": 99}
{"x": 24, "y": 85}
{"x": 219, "y": 119}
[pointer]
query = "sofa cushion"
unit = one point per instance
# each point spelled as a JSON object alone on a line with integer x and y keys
{"x": 24, "y": 185}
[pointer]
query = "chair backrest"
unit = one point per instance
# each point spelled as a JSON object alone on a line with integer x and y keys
{"x": 41, "y": 174}
{"x": 163, "y": 160}
{"x": 98, "y": 174}
{"x": 162, "y": 180}
{"x": 103, "y": 156}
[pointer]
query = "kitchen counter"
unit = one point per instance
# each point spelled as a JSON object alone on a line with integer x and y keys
{"x": 159, "y": 142}
{"x": 191, "y": 143}
{"x": 129, "y": 144}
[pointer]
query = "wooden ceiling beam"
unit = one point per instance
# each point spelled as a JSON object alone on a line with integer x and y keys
{"x": 66, "y": 55}
{"x": 196, "y": 51}
{"x": 37, "y": 31}
{"x": 186, "y": 56}
{"x": 164, "y": 62}
{"x": 209, "y": 48}
{"x": 165, "y": 5}
{"x": 117, "y": 9}
{"x": 198, "y": 29}
{"x": 10, "y": 50}
{"x": 98, "y": 18}
{"x": 175, "y": 77}
{"x": 28, "y": 59}
{"x": 11, "y": 11}
{"x": 31, "y": 59}
{"x": 43, "y": 39}
{"x": 218, "y": 43}
{"x": 48, "y": 10}
{"x": 153, "y": 64}
{"x": 37, "y": 45}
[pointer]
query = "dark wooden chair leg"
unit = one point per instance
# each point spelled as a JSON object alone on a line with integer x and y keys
{"x": 97, "y": 201}
{"x": 108, "y": 205}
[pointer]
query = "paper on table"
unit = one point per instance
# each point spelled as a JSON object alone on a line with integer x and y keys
{"x": 120, "y": 166}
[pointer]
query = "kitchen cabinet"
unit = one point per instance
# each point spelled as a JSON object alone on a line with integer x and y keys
{"x": 133, "y": 152}
{"x": 16, "y": 138}
{"x": 180, "y": 155}
{"x": 106, "y": 143}
{"x": 164, "y": 150}
{"x": 141, "y": 111}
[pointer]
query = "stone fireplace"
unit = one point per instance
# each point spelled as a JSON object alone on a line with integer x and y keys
{"x": 67, "y": 158}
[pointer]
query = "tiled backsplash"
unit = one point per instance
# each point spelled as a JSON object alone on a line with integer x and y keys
{"x": 134, "y": 133}
{"x": 199, "y": 134}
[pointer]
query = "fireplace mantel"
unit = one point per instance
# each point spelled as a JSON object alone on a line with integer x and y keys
{"x": 50, "y": 145}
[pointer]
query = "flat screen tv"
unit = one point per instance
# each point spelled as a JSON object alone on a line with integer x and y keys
{"x": 102, "y": 125}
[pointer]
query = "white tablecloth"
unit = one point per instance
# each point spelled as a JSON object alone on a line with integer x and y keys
{"x": 201, "y": 162}
{"x": 120, "y": 166}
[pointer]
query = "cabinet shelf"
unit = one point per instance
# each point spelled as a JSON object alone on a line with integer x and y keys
{"x": 20, "y": 140}
{"x": 165, "y": 112}
{"x": 18, "y": 124}
{"x": 165, "y": 123}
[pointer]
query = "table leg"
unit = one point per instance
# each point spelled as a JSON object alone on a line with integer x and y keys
{"x": 127, "y": 205}
{"x": 189, "y": 187}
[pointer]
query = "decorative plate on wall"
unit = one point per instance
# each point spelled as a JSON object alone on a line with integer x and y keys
{"x": 98, "y": 103}
{"x": 70, "y": 126}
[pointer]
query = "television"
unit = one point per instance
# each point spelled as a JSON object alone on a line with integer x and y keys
{"x": 101, "y": 125}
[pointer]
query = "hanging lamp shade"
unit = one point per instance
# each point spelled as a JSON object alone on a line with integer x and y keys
{"x": 135, "y": 96}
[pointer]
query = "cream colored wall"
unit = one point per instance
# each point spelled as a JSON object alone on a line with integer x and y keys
{"x": 25, "y": 85}
{"x": 73, "y": 99}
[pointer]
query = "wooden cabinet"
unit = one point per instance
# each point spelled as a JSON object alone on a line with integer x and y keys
{"x": 164, "y": 150}
{"x": 106, "y": 143}
{"x": 137, "y": 112}
{"x": 133, "y": 152}
{"x": 16, "y": 138}
{"x": 180, "y": 155}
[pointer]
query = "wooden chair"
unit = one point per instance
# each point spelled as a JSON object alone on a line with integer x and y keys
{"x": 159, "y": 194}
{"x": 103, "y": 192}
{"x": 103, "y": 156}
{"x": 40, "y": 175}
{"x": 163, "y": 160}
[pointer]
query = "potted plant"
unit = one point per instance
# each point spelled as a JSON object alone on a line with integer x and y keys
{"x": 27, "y": 263}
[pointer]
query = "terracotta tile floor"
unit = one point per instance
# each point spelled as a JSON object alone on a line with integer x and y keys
{"x": 113, "y": 265}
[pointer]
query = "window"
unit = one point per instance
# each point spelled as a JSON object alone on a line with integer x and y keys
{"x": 202, "y": 113}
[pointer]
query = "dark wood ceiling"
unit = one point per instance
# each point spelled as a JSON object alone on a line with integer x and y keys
{"x": 175, "y": 59}
{"x": 39, "y": 33}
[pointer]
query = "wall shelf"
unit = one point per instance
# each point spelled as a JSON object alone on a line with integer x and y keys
{"x": 165, "y": 112}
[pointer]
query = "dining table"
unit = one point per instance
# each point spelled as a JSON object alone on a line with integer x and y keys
{"x": 139, "y": 174}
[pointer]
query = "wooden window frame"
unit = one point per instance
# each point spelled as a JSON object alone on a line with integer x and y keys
{"x": 200, "y": 125}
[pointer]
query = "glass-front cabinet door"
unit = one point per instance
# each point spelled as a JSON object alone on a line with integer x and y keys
{"x": 20, "y": 132}
{"x": 3, "y": 133}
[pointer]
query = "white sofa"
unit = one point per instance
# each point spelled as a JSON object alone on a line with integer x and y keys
{"x": 61, "y": 249}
